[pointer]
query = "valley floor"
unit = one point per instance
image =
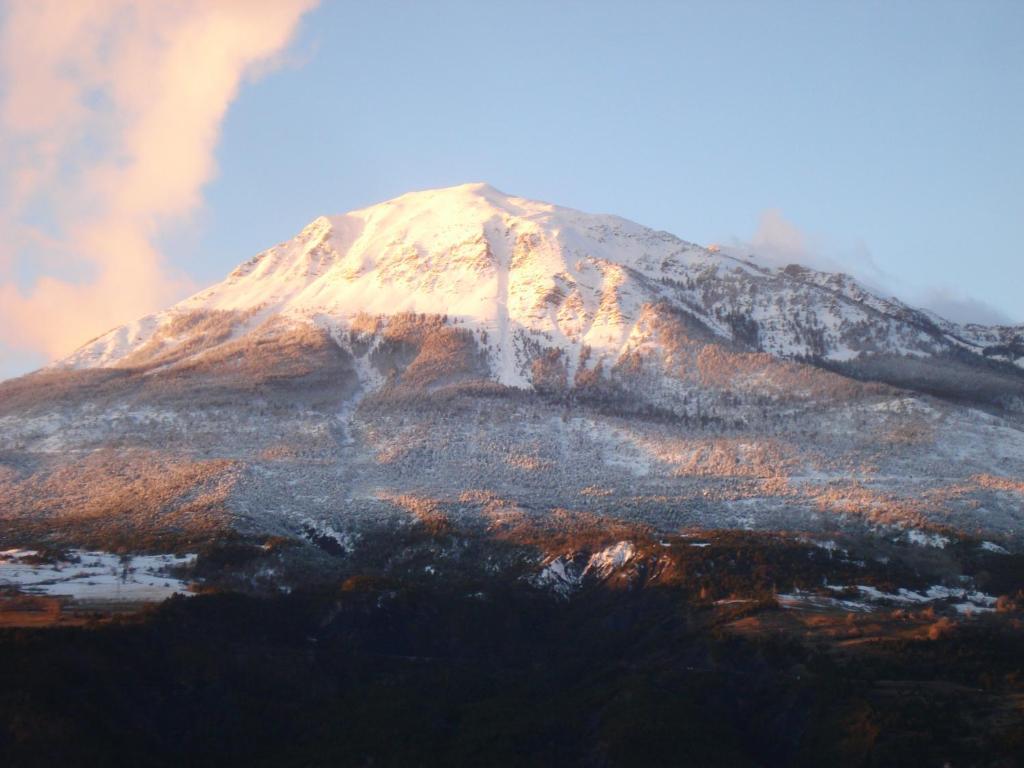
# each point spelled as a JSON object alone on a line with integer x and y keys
{"x": 720, "y": 649}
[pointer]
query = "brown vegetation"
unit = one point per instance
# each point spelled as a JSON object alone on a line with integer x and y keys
{"x": 120, "y": 499}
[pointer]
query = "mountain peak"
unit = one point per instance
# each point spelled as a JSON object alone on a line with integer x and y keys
{"x": 477, "y": 188}
{"x": 462, "y": 204}
{"x": 527, "y": 276}
{"x": 379, "y": 349}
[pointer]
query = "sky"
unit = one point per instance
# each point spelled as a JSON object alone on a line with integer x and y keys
{"x": 148, "y": 148}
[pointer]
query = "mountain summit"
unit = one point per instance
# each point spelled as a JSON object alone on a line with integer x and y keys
{"x": 463, "y": 352}
{"x": 531, "y": 276}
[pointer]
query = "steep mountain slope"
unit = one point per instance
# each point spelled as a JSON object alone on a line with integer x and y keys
{"x": 461, "y": 352}
{"x": 529, "y": 275}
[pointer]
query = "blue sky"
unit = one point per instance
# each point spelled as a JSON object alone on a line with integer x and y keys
{"x": 885, "y": 136}
{"x": 888, "y": 129}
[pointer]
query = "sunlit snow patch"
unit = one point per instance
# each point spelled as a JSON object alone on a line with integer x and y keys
{"x": 564, "y": 575}
{"x": 603, "y": 563}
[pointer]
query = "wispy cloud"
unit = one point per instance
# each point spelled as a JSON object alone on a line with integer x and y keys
{"x": 961, "y": 308}
{"x": 778, "y": 242}
{"x": 110, "y": 112}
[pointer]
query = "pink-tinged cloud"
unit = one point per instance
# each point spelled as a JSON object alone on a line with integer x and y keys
{"x": 110, "y": 115}
{"x": 778, "y": 242}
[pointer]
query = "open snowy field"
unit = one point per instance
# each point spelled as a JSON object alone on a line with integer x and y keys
{"x": 100, "y": 576}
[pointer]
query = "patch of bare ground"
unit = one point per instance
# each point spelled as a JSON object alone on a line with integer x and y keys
{"x": 21, "y": 611}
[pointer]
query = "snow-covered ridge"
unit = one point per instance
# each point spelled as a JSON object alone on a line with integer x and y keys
{"x": 524, "y": 274}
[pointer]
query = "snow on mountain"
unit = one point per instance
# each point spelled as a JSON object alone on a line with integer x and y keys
{"x": 527, "y": 276}
{"x": 465, "y": 353}
{"x": 502, "y": 265}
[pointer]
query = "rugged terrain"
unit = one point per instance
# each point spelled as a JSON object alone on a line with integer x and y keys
{"x": 468, "y": 356}
{"x": 724, "y": 648}
{"x": 466, "y": 479}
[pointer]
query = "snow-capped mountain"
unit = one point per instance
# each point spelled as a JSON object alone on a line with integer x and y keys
{"x": 528, "y": 276}
{"x": 465, "y": 353}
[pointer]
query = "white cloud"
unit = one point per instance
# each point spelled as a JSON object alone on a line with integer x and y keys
{"x": 961, "y": 308}
{"x": 110, "y": 115}
{"x": 778, "y": 242}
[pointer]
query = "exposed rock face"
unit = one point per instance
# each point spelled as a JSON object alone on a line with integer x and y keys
{"x": 471, "y": 349}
